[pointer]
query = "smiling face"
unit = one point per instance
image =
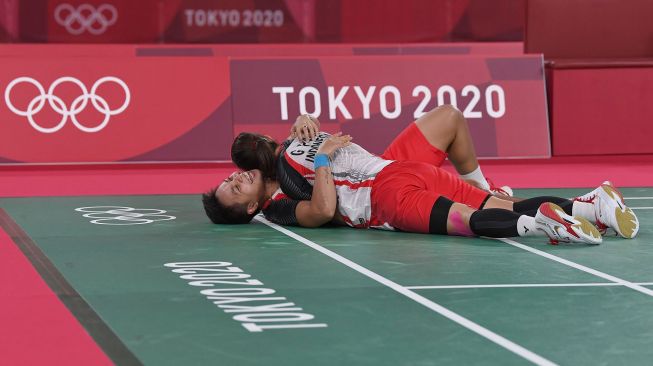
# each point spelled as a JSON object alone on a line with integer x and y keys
{"x": 244, "y": 189}
{"x": 255, "y": 151}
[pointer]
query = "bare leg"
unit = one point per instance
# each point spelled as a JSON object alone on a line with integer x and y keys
{"x": 506, "y": 203}
{"x": 458, "y": 220}
{"x": 446, "y": 129}
{"x": 497, "y": 222}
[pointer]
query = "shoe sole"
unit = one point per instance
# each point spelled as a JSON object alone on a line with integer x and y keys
{"x": 580, "y": 229}
{"x": 627, "y": 224}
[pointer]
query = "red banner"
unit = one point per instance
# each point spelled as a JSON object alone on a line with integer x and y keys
{"x": 269, "y": 21}
{"x": 173, "y": 21}
{"x": 92, "y": 21}
{"x": 242, "y": 21}
{"x": 374, "y": 98}
{"x": 135, "y": 103}
{"x": 107, "y": 109}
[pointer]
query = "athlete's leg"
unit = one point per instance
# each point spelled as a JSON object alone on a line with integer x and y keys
{"x": 437, "y": 133}
{"x": 446, "y": 129}
{"x": 415, "y": 197}
{"x": 550, "y": 220}
{"x": 606, "y": 209}
{"x": 530, "y": 206}
{"x": 559, "y": 218}
{"x": 418, "y": 197}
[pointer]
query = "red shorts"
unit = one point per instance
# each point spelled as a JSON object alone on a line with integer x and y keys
{"x": 404, "y": 192}
{"x": 412, "y": 145}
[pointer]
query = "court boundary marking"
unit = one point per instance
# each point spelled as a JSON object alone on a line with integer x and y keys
{"x": 104, "y": 337}
{"x": 580, "y": 267}
{"x": 470, "y": 325}
{"x": 523, "y": 285}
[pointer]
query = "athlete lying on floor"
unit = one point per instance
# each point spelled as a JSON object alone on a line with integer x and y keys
{"x": 329, "y": 179}
{"x": 442, "y": 132}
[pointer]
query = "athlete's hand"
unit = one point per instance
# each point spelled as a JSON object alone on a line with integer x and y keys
{"x": 305, "y": 128}
{"x": 334, "y": 143}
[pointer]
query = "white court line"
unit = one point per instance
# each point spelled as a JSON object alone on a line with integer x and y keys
{"x": 484, "y": 332}
{"x": 638, "y": 198}
{"x": 569, "y": 263}
{"x": 641, "y": 208}
{"x": 526, "y": 285}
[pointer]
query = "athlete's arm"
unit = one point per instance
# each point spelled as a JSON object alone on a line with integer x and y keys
{"x": 305, "y": 128}
{"x": 321, "y": 208}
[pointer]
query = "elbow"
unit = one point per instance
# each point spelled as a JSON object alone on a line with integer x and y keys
{"x": 328, "y": 209}
{"x": 324, "y": 206}
{"x": 325, "y": 214}
{"x": 328, "y": 213}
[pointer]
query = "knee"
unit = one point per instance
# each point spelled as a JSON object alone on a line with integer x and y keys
{"x": 446, "y": 115}
{"x": 441, "y": 126}
{"x": 449, "y": 112}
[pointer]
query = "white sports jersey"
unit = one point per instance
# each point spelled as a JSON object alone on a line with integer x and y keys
{"x": 354, "y": 170}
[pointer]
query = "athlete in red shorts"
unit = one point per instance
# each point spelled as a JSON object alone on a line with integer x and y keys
{"x": 405, "y": 192}
{"x": 363, "y": 190}
{"x": 442, "y": 132}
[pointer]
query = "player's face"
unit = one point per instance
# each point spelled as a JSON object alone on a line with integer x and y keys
{"x": 244, "y": 188}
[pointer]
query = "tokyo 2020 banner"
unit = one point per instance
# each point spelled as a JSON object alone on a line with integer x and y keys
{"x": 137, "y": 104}
{"x": 374, "y": 98}
{"x": 171, "y": 21}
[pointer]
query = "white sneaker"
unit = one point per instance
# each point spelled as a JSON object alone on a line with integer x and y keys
{"x": 559, "y": 226}
{"x": 589, "y": 197}
{"x": 503, "y": 190}
{"x": 611, "y": 211}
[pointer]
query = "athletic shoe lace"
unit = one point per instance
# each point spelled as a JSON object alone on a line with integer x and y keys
{"x": 495, "y": 189}
{"x": 589, "y": 198}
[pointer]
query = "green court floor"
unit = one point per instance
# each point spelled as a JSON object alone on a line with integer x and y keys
{"x": 169, "y": 288}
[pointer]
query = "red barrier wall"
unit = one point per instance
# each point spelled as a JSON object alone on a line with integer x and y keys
{"x": 601, "y": 110}
{"x": 419, "y": 20}
{"x": 590, "y": 28}
{"x": 491, "y": 21}
{"x": 600, "y": 75}
{"x": 8, "y": 20}
{"x": 265, "y": 50}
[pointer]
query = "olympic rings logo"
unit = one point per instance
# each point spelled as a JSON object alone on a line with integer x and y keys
{"x": 87, "y": 17}
{"x": 59, "y": 106}
{"x": 118, "y": 215}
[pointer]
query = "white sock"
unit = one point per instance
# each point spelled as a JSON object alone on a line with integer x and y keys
{"x": 478, "y": 177}
{"x": 526, "y": 226}
{"x": 584, "y": 210}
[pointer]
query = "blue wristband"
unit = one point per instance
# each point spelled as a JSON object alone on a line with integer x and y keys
{"x": 321, "y": 160}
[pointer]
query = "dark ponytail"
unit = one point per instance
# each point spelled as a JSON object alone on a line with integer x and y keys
{"x": 253, "y": 151}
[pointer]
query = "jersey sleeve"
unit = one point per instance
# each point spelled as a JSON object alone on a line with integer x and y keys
{"x": 291, "y": 181}
{"x": 282, "y": 212}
